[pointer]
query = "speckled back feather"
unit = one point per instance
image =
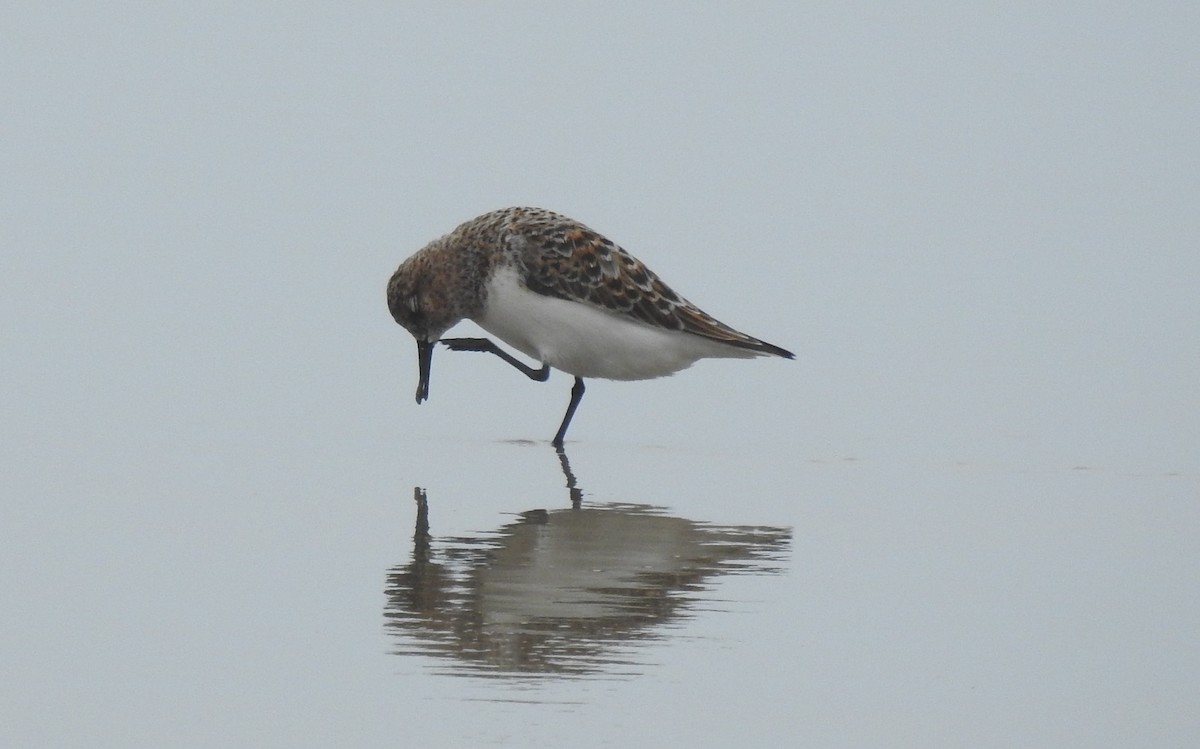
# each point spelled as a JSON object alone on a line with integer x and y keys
{"x": 563, "y": 258}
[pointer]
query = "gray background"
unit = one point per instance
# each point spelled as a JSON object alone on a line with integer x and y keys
{"x": 975, "y": 225}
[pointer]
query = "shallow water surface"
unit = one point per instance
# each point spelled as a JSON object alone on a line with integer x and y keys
{"x": 457, "y": 592}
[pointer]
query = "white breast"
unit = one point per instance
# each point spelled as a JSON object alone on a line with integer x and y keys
{"x": 587, "y": 341}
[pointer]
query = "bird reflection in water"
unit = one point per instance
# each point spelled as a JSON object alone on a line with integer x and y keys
{"x": 563, "y": 591}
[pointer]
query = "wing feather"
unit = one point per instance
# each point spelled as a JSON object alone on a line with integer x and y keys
{"x": 563, "y": 258}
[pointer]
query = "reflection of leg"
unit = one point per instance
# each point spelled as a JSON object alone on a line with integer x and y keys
{"x": 572, "y": 486}
{"x": 421, "y": 534}
{"x": 486, "y": 346}
{"x": 576, "y": 396}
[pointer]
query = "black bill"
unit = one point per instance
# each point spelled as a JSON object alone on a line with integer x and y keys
{"x": 424, "y": 359}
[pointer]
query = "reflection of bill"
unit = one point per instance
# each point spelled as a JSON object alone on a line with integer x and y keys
{"x": 557, "y": 591}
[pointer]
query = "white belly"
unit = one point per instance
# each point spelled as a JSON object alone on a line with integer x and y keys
{"x": 586, "y": 341}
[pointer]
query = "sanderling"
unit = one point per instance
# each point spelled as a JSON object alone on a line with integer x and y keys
{"x": 560, "y": 293}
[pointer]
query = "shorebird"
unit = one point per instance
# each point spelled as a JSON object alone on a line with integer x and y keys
{"x": 559, "y": 293}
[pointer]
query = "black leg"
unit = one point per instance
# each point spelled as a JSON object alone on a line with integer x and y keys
{"x": 576, "y": 396}
{"x": 485, "y": 345}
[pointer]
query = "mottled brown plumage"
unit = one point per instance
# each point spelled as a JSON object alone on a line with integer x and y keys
{"x": 603, "y": 312}
{"x": 565, "y": 259}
